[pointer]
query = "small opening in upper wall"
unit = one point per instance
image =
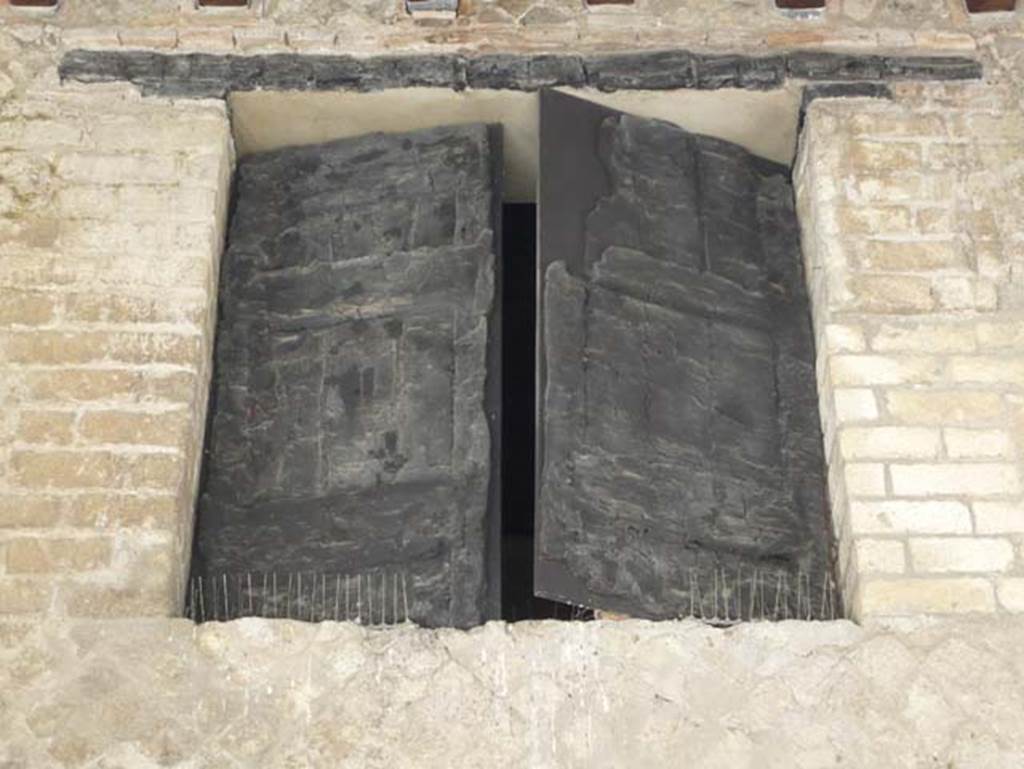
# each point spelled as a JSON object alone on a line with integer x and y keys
{"x": 222, "y": 3}
{"x": 800, "y": 4}
{"x": 990, "y": 6}
{"x": 34, "y": 3}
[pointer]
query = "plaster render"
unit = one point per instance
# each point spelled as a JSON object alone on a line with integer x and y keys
{"x": 148, "y": 693}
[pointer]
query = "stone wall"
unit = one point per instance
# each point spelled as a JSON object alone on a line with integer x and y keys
{"x": 111, "y": 219}
{"x": 112, "y": 207}
{"x": 912, "y": 234}
{"x": 258, "y": 693}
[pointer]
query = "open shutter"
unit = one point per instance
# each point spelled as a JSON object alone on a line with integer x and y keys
{"x": 357, "y": 379}
{"x": 679, "y": 451}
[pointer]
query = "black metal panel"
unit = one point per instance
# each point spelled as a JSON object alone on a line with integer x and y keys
{"x": 357, "y": 373}
{"x": 678, "y": 441}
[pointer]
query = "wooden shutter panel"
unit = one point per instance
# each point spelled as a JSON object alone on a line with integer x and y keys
{"x": 679, "y": 446}
{"x": 357, "y": 378}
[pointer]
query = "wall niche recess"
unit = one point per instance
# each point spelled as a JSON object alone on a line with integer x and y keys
{"x": 435, "y": 404}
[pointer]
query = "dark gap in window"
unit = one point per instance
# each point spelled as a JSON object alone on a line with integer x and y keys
{"x": 519, "y": 346}
{"x": 990, "y": 6}
{"x": 223, "y": 3}
{"x": 800, "y": 4}
{"x": 609, "y": 2}
{"x": 34, "y": 3}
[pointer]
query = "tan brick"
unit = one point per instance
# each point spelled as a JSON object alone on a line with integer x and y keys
{"x": 97, "y": 168}
{"x": 24, "y": 596}
{"x": 999, "y": 335}
{"x": 885, "y": 156}
{"x": 95, "y": 469}
{"x": 999, "y": 517}
{"x": 879, "y": 556}
{"x": 960, "y": 554}
{"x": 26, "y": 556}
{"x": 988, "y": 479}
{"x": 117, "y": 385}
{"x": 889, "y": 442}
{"x": 161, "y": 429}
{"x": 865, "y": 479}
{"x": 56, "y": 347}
{"x": 924, "y": 337}
{"x": 977, "y": 444}
{"x": 964, "y": 293}
{"x": 900, "y": 256}
{"x": 855, "y": 405}
{"x": 949, "y": 155}
{"x": 45, "y": 426}
{"x": 896, "y": 294}
{"x": 1010, "y": 591}
{"x": 89, "y": 600}
{"x": 25, "y": 308}
{"x": 113, "y": 308}
{"x": 146, "y": 203}
{"x": 901, "y": 517}
{"x": 936, "y": 220}
{"x": 988, "y": 369}
{"x": 900, "y": 597}
{"x": 124, "y": 510}
{"x": 869, "y": 370}
{"x": 874, "y": 220}
{"x": 22, "y": 510}
{"x": 844, "y": 338}
{"x": 913, "y": 125}
{"x": 944, "y": 406}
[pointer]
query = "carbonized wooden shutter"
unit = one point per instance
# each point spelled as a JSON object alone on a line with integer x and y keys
{"x": 356, "y": 389}
{"x": 679, "y": 452}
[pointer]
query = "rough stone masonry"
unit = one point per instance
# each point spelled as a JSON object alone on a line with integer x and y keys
{"x": 112, "y": 209}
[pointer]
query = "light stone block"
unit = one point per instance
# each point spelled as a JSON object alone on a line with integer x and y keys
{"x": 981, "y": 479}
{"x": 955, "y": 554}
{"x": 900, "y": 597}
{"x": 855, "y": 405}
{"x": 865, "y": 479}
{"x": 970, "y": 444}
{"x": 889, "y": 443}
{"x": 900, "y": 517}
{"x": 879, "y": 556}
{"x": 999, "y": 517}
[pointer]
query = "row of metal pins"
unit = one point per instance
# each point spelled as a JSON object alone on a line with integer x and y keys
{"x": 370, "y": 599}
{"x": 760, "y": 595}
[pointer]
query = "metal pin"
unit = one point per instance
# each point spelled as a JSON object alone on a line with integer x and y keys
{"x": 277, "y": 604}
{"x": 359, "y": 598}
{"x": 369, "y": 598}
{"x": 348, "y": 614}
{"x": 383, "y": 598}
{"x": 405, "y": 599}
{"x": 202, "y": 607}
{"x": 227, "y": 606}
{"x": 337, "y": 592}
{"x": 288, "y": 598}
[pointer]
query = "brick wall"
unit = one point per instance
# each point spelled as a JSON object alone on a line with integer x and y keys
{"x": 111, "y": 218}
{"x": 912, "y": 236}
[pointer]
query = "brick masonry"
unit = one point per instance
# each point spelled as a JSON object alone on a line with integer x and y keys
{"x": 913, "y": 248}
{"x": 111, "y": 228}
{"x": 111, "y": 214}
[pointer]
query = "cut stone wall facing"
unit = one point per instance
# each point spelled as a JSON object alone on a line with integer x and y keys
{"x": 111, "y": 218}
{"x": 912, "y": 235}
